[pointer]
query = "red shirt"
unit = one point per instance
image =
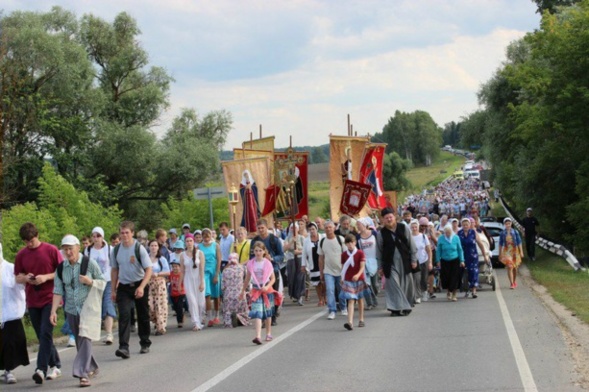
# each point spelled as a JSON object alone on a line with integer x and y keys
{"x": 42, "y": 260}
{"x": 358, "y": 257}
{"x": 177, "y": 286}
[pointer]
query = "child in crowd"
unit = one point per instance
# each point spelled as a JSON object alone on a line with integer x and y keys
{"x": 261, "y": 274}
{"x": 353, "y": 284}
{"x": 177, "y": 292}
{"x": 234, "y": 307}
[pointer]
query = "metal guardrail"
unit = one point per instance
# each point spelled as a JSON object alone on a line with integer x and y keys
{"x": 552, "y": 247}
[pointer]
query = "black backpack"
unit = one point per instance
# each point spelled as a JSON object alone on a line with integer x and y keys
{"x": 339, "y": 241}
{"x": 83, "y": 269}
{"x": 137, "y": 252}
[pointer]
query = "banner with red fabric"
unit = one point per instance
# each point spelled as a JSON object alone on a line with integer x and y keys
{"x": 354, "y": 197}
{"x": 270, "y": 206}
{"x": 291, "y": 183}
{"x": 371, "y": 174}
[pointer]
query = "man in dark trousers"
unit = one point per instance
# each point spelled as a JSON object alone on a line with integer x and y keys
{"x": 529, "y": 223}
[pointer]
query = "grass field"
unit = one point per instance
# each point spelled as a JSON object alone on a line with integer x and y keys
{"x": 564, "y": 284}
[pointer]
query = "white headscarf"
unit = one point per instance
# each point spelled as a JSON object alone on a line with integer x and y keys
{"x": 244, "y": 180}
{"x": 446, "y": 228}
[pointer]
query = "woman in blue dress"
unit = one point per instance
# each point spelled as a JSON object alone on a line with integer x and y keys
{"x": 469, "y": 240}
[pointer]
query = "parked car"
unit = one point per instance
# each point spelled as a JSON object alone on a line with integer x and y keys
{"x": 494, "y": 229}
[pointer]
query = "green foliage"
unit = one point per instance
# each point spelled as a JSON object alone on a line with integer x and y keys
{"x": 394, "y": 172}
{"x": 196, "y": 212}
{"x": 61, "y": 209}
{"x": 452, "y": 134}
{"x": 414, "y": 136}
{"x": 535, "y": 123}
{"x": 552, "y": 6}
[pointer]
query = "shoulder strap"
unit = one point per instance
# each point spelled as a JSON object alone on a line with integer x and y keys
{"x": 138, "y": 251}
{"x": 87, "y": 250}
{"x": 321, "y": 243}
{"x": 84, "y": 265}
{"x": 116, "y": 250}
{"x": 59, "y": 271}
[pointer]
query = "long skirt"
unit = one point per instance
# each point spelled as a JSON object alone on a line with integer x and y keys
{"x": 398, "y": 286}
{"x": 296, "y": 278}
{"x": 158, "y": 303}
{"x": 13, "y": 345}
{"x": 450, "y": 273}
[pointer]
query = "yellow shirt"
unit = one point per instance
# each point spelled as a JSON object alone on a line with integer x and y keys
{"x": 243, "y": 251}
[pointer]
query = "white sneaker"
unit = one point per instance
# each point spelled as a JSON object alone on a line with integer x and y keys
{"x": 345, "y": 312}
{"x": 71, "y": 341}
{"x": 417, "y": 300}
{"x": 331, "y": 316}
{"x": 53, "y": 373}
{"x": 38, "y": 376}
{"x": 424, "y": 297}
{"x": 109, "y": 339}
{"x": 9, "y": 378}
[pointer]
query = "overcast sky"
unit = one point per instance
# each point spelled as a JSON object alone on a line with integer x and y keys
{"x": 298, "y": 67}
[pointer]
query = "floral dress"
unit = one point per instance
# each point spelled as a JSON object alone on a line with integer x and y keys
{"x": 231, "y": 286}
{"x": 509, "y": 249}
{"x": 471, "y": 257}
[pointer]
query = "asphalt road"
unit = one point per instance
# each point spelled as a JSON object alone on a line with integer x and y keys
{"x": 503, "y": 341}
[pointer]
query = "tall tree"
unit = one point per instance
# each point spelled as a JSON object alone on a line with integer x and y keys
{"x": 394, "y": 172}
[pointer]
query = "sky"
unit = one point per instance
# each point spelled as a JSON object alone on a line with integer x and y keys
{"x": 299, "y": 67}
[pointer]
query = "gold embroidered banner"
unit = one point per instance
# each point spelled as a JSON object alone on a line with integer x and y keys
{"x": 345, "y": 160}
{"x": 251, "y": 176}
{"x": 265, "y": 144}
{"x": 241, "y": 153}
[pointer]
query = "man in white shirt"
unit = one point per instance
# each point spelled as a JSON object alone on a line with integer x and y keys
{"x": 330, "y": 266}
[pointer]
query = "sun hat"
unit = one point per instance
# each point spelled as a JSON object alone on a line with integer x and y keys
{"x": 70, "y": 239}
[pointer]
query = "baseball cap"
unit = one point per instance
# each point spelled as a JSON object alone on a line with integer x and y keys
{"x": 179, "y": 244}
{"x": 70, "y": 239}
{"x": 172, "y": 231}
{"x": 186, "y": 226}
{"x": 197, "y": 232}
{"x": 98, "y": 230}
{"x": 506, "y": 219}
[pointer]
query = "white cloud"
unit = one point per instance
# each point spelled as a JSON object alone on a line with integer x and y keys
{"x": 299, "y": 67}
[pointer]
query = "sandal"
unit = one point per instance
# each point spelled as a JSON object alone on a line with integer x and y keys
{"x": 93, "y": 374}
{"x": 269, "y": 338}
{"x": 84, "y": 382}
{"x": 348, "y": 326}
{"x": 360, "y": 324}
{"x": 257, "y": 341}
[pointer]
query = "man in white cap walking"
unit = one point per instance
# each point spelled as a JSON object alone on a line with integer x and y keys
{"x": 73, "y": 280}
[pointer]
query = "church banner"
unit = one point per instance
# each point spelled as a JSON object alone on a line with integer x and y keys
{"x": 251, "y": 176}
{"x": 371, "y": 174}
{"x": 354, "y": 197}
{"x": 291, "y": 180}
{"x": 241, "y": 153}
{"x": 345, "y": 160}
{"x": 265, "y": 144}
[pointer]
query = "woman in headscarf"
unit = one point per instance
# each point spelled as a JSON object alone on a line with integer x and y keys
{"x": 450, "y": 255}
{"x": 367, "y": 244}
{"x": 310, "y": 261}
{"x": 296, "y": 276}
{"x": 158, "y": 294}
{"x": 469, "y": 240}
{"x": 13, "y": 340}
{"x": 424, "y": 256}
{"x": 511, "y": 251}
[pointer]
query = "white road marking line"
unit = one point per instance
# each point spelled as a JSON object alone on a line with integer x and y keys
{"x": 523, "y": 368}
{"x": 248, "y": 358}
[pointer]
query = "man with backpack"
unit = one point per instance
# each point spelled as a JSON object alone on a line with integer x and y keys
{"x": 274, "y": 247}
{"x": 130, "y": 274}
{"x": 330, "y": 252}
{"x": 74, "y": 279}
{"x": 99, "y": 251}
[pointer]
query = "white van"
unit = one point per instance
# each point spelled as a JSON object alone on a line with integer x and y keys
{"x": 472, "y": 174}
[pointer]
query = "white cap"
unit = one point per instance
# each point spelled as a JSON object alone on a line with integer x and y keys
{"x": 98, "y": 230}
{"x": 70, "y": 239}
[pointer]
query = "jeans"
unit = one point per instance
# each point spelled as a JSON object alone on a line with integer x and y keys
{"x": 333, "y": 290}
{"x": 126, "y": 301}
{"x": 47, "y": 355}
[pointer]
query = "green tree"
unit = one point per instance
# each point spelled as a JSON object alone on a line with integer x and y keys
{"x": 552, "y": 6}
{"x": 176, "y": 212}
{"x": 394, "y": 172}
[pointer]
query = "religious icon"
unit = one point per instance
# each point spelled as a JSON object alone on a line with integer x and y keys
{"x": 249, "y": 197}
{"x": 347, "y": 165}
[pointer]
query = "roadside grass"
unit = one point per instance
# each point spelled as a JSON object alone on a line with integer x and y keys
{"x": 564, "y": 284}
{"x": 318, "y": 198}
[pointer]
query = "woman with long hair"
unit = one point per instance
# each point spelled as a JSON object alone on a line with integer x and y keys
{"x": 192, "y": 266}
{"x": 158, "y": 293}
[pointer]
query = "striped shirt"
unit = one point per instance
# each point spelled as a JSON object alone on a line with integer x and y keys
{"x": 75, "y": 292}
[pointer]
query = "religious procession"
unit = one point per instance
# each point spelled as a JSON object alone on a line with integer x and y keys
{"x": 370, "y": 254}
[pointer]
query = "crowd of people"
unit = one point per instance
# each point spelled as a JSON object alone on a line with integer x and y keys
{"x": 226, "y": 280}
